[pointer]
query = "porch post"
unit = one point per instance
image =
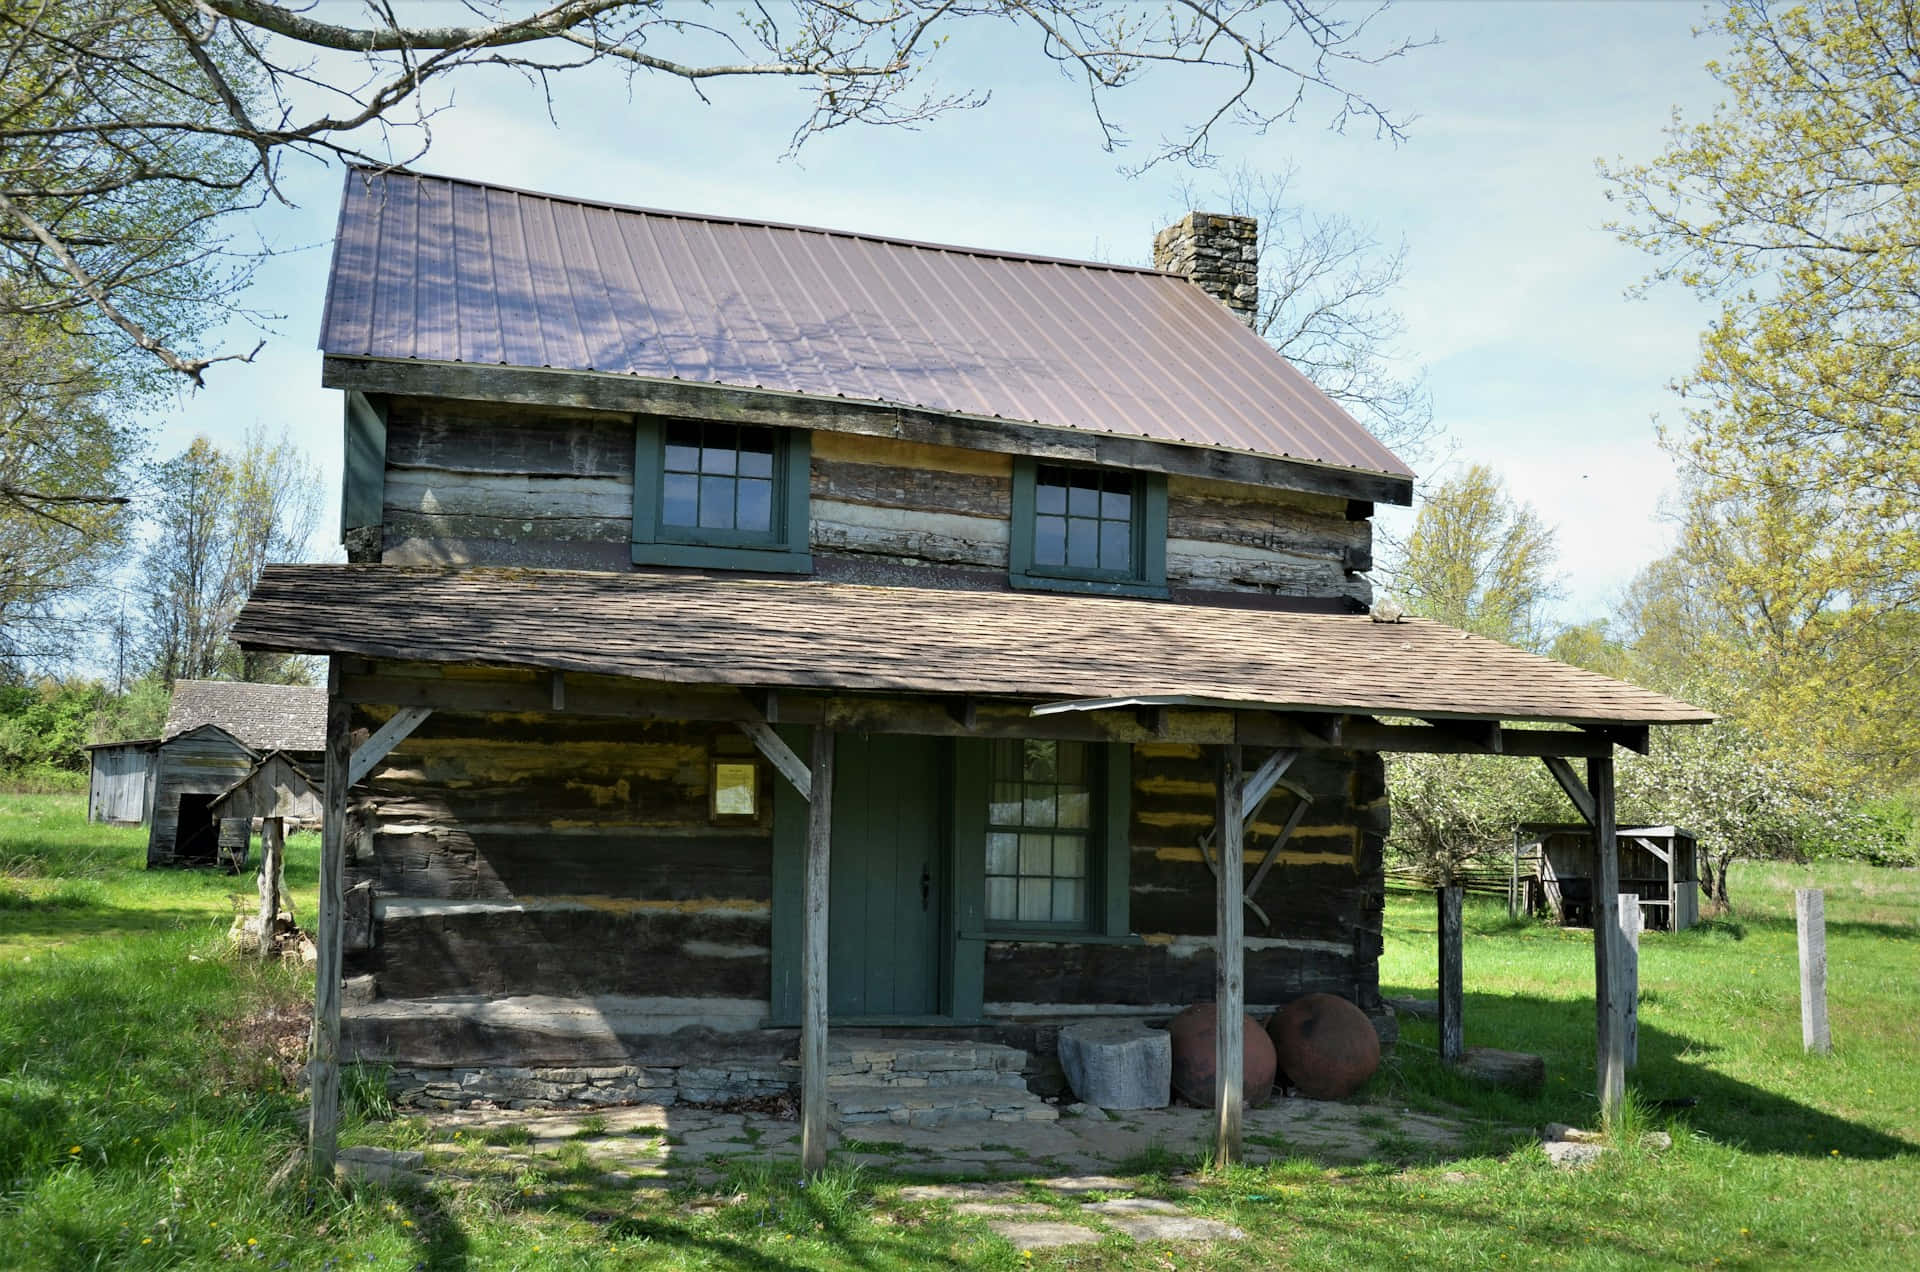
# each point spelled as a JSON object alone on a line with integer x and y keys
{"x": 813, "y": 960}
{"x": 324, "y": 1046}
{"x": 1229, "y": 961}
{"x": 1609, "y": 1010}
{"x": 1451, "y": 1001}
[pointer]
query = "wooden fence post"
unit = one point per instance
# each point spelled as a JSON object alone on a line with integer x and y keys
{"x": 1229, "y": 961}
{"x": 813, "y": 958}
{"x": 1632, "y": 923}
{"x": 1810, "y": 914}
{"x": 273, "y": 843}
{"x": 1452, "y": 1031}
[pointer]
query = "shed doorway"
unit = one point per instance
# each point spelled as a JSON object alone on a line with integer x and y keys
{"x": 196, "y": 834}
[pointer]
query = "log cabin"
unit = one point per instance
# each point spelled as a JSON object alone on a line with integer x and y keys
{"x": 751, "y": 630}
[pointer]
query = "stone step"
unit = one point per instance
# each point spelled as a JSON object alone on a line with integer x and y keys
{"x": 934, "y": 1106}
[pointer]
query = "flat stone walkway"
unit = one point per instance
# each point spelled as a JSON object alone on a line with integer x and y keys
{"x": 651, "y": 1145}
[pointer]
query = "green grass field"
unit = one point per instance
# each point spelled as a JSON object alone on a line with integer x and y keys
{"x": 143, "y": 1108}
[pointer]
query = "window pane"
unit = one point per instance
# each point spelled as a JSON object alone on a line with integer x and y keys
{"x": 756, "y": 505}
{"x": 1070, "y": 759}
{"x": 716, "y": 456}
{"x": 716, "y": 503}
{"x": 1007, "y": 758}
{"x": 1005, "y": 808}
{"x": 1050, "y": 540}
{"x": 1074, "y": 807}
{"x": 1036, "y": 900}
{"x": 1036, "y": 854}
{"x": 1084, "y": 499}
{"x": 1116, "y": 502}
{"x": 680, "y": 500}
{"x": 1050, "y": 491}
{"x": 1116, "y": 545}
{"x": 1042, "y": 760}
{"x": 1083, "y": 543}
{"x": 683, "y": 447}
{"x": 1069, "y": 857}
{"x": 1000, "y": 854}
{"x": 1069, "y": 901}
{"x": 756, "y": 452}
{"x": 1039, "y": 808}
{"x": 1001, "y": 894}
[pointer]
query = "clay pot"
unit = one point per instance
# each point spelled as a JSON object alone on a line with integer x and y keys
{"x": 1192, "y": 1032}
{"x": 1326, "y": 1047}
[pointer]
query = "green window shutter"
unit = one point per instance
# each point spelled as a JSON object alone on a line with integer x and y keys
{"x": 1116, "y": 831}
{"x": 363, "y": 486}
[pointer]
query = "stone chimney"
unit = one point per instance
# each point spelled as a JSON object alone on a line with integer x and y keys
{"x": 1220, "y": 253}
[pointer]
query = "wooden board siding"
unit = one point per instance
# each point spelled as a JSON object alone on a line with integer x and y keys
{"x": 119, "y": 784}
{"x": 531, "y": 854}
{"x": 474, "y": 483}
{"x": 200, "y": 762}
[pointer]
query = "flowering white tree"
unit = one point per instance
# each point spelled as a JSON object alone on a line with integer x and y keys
{"x": 1741, "y": 798}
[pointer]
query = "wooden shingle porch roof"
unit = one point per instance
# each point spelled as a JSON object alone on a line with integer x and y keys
{"x": 803, "y": 634}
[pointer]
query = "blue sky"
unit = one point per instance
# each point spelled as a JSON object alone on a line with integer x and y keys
{"x": 1514, "y": 293}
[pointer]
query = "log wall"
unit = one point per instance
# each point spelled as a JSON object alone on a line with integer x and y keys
{"x": 481, "y": 484}
{"x": 517, "y": 856}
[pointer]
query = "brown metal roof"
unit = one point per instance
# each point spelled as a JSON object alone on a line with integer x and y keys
{"x": 692, "y": 629}
{"x": 456, "y": 271}
{"x": 263, "y": 717}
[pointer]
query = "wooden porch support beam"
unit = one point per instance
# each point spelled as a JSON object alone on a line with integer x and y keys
{"x": 1451, "y": 997}
{"x": 1229, "y": 963}
{"x": 380, "y": 744}
{"x": 1637, "y": 738}
{"x": 1611, "y": 1008}
{"x": 1481, "y": 735}
{"x": 1570, "y": 783}
{"x": 780, "y": 755}
{"x": 1260, "y": 783}
{"x": 813, "y": 960}
{"x": 1613, "y": 1012}
{"x": 323, "y": 1066}
{"x": 273, "y": 846}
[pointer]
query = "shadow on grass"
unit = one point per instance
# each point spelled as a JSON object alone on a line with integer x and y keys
{"x": 1562, "y": 1031}
{"x": 84, "y": 921}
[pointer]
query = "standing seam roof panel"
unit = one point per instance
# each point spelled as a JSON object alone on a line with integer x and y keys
{"x": 452, "y": 271}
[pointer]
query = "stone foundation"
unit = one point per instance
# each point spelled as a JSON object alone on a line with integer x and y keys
{"x": 510, "y": 1087}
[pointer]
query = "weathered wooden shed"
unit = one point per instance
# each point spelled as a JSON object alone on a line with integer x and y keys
{"x": 120, "y": 782}
{"x": 216, "y": 731}
{"x": 1554, "y": 872}
{"x": 752, "y": 629}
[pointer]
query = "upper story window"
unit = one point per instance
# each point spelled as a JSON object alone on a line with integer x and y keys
{"x": 1082, "y": 529}
{"x": 720, "y": 496}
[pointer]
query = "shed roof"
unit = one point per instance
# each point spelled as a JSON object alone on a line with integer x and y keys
{"x": 693, "y": 629}
{"x": 262, "y": 717}
{"x": 443, "y": 270}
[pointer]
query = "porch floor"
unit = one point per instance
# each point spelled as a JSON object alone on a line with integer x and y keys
{"x": 640, "y": 1147}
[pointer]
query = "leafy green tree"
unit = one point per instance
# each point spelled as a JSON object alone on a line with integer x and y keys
{"x": 1796, "y": 205}
{"x": 219, "y": 520}
{"x": 1479, "y": 560}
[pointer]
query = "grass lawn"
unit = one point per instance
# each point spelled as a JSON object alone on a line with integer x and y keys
{"x": 143, "y": 1108}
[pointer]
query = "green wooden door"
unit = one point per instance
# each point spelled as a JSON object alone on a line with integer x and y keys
{"x": 887, "y": 894}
